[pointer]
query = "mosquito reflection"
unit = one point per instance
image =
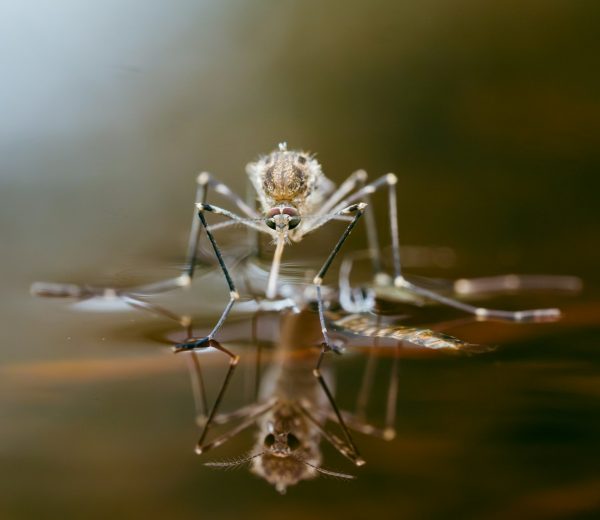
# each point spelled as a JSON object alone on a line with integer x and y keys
{"x": 294, "y": 407}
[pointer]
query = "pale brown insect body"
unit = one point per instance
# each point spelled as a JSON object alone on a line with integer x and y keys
{"x": 290, "y": 185}
{"x": 288, "y": 440}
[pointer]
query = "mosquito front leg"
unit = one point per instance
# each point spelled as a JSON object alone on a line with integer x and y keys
{"x": 352, "y": 451}
{"x": 233, "y": 294}
{"x": 358, "y": 210}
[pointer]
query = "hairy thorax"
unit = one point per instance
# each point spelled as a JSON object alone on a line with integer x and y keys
{"x": 289, "y": 178}
{"x": 285, "y": 181}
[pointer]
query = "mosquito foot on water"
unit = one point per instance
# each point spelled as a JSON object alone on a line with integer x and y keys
{"x": 191, "y": 345}
{"x": 334, "y": 346}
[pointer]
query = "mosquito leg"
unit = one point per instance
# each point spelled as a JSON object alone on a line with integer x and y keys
{"x": 388, "y": 432}
{"x": 198, "y": 387}
{"x": 244, "y": 411}
{"x": 352, "y": 450}
{"x": 366, "y": 385}
{"x": 481, "y": 313}
{"x": 356, "y": 179}
{"x": 233, "y": 294}
{"x": 348, "y": 450}
{"x": 392, "y": 398}
{"x": 515, "y": 282}
{"x": 254, "y": 412}
{"x": 85, "y": 292}
{"x": 399, "y": 281}
{"x": 358, "y": 210}
{"x": 138, "y": 303}
{"x": 233, "y": 361}
{"x": 200, "y": 400}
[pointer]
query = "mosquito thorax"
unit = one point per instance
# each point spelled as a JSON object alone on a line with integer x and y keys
{"x": 282, "y": 217}
{"x": 289, "y": 178}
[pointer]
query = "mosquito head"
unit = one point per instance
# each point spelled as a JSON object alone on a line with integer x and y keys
{"x": 281, "y": 444}
{"x": 283, "y": 452}
{"x": 282, "y": 218}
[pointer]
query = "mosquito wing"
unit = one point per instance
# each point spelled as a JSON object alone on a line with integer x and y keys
{"x": 369, "y": 326}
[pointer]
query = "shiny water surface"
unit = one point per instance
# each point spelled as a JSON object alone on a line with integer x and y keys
{"x": 488, "y": 113}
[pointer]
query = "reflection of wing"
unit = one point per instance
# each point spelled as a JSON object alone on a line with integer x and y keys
{"x": 364, "y": 325}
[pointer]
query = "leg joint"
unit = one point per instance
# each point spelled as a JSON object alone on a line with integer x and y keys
{"x": 203, "y": 178}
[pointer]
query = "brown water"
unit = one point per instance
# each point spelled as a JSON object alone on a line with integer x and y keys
{"x": 489, "y": 115}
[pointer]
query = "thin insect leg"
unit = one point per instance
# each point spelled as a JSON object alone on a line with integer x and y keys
{"x": 224, "y": 418}
{"x": 357, "y": 180}
{"x": 222, "y": 189}
{"x": 130, "y": 297}
{"x": 392, "y": 397}
{"x": 233, "y": 294}
{"x": 194, "y": 237}
{"x": 387, "y": 180}
{"x": 400, "y": 282}
{"x": 138, "y": 303}
{"x": 516, "y": 282}
{"x": 358, "y": 209}
{"x": 253, "y": 235}
{"x": 373, "y": 240}
{"x": 233, "y": 361}
{"x": 253, "y": 223}
{"x": 482, "y": 313}
{"x": 222, "y": 439}
{"x": 388, "y": 432}
{"x": 366, "y": 386}
{"x": 344, "y": 448}
{"x": 390, "y": 180}
{"x": 198, "y": 387}
{"x": 63, "y": 290}
{"x": 351, "y": 183}
{"x": 349, "y": 441}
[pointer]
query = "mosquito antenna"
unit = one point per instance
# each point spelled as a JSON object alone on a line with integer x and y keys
{"x": 229, "y": 464}
{"x": 328, "y": 472}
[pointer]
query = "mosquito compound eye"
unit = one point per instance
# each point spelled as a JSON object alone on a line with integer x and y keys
{"x": 271, "y": 223}
{"x": 269, "y": 440}
{"x": 294, "y": 221}
{"x": 293, "y": 442}
{"x": 301, "y": 159}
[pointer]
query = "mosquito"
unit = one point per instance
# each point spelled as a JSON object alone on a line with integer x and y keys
{"x": 290, "y": 411}
{"x": 295, "y": 199}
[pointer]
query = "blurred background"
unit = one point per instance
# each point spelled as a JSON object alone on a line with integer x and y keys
{"x": 488, "y": 112}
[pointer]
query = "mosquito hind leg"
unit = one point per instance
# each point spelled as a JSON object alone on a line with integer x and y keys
{"x": 481, "y": 313}
{"x": 400, "y": 282}
{"x": 516, "y": 282}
